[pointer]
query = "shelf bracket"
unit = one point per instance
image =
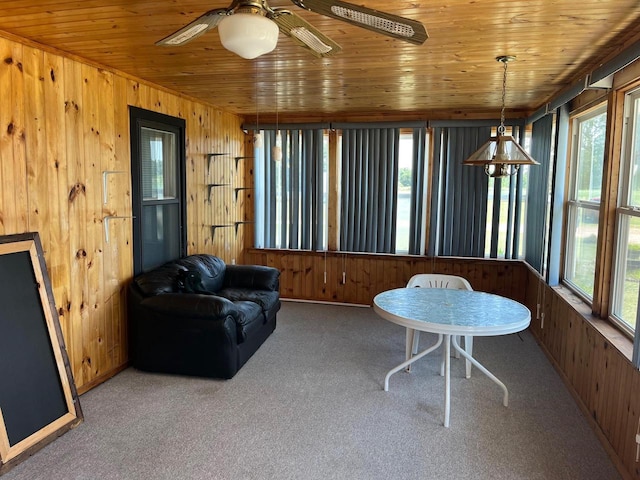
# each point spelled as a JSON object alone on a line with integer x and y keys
{"x": 215, "y": 227}
{"x": 105, "y": 173}
{"x": 106, "y": 220}
{"x": 211, "y": 186}
{"x": 237, "y": 224}
{"x": 238, "y": 160}
{"x": 237, "y": 189}
{"x": 210, "y": 157}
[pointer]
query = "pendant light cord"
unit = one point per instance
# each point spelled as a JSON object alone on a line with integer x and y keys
{"x": 276, "y": 93}
{"x": 501, "y": 129}
{"x": 257, "y": 110}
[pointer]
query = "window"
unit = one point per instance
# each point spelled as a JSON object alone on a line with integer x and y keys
{"x": 382, "y": 187}
{"x": 382, "y": 184}
{"x": 405, "y": 187}
{"x": 626, "y": 269}
{"x": 583, "y": 200}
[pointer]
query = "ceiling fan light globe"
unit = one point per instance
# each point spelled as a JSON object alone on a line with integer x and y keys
{"x": 248, "y": 35}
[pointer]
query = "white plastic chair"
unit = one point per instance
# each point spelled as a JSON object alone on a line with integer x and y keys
{"x": 436, "y": 280}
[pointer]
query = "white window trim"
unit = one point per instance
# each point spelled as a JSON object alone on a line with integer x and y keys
{"x": 573, "y": 203}
{"x": 624, "y": 212}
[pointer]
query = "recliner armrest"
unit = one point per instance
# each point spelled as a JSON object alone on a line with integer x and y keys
{"x": 257, "y": 277}
{"x": 191, "y": 305}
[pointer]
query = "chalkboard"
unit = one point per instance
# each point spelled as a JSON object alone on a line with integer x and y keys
{"x": 38, "y": 399}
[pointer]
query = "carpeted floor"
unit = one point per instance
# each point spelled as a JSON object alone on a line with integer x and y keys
{"x": 310, "y": 405}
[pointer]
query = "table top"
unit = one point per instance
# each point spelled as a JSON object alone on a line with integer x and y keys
{"x": 455, "y": 312}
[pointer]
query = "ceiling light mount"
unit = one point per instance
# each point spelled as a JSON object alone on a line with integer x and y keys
{"x": 501, "y": 156}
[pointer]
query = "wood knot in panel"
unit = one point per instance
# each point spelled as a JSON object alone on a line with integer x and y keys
{"x": 76, "y": 190}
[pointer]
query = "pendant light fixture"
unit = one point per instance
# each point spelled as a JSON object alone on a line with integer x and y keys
{"x": 501, "y": 156}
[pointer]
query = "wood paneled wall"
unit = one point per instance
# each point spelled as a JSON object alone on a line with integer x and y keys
{"x": 63, "y": 122}
{"x": 357, "y": 278}
{"x": 593, "y": 359}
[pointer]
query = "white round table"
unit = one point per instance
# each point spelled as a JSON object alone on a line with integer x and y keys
{"x": 450, "y": 313}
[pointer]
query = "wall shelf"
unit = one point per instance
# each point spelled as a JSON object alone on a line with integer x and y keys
{"x": 211, "y": 156}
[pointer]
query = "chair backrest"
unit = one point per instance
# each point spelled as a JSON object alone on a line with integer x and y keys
{"x": 436, "y": 280}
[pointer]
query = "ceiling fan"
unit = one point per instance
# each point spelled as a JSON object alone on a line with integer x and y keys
{"x": 250, "y": 28}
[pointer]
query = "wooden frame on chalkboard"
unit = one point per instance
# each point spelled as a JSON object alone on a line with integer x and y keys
{"x": 38, "y": 398}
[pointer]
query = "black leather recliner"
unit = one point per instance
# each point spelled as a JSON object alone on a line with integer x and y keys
{"x": 198, "y": 316}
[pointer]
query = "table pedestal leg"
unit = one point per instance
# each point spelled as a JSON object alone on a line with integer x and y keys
{"x": 505, "y": 400}
{"x": 409, "y": 361}
{"x": 408, "y": 349}
{"x": 468, "y": 347}
{"x": 447, "y": 378}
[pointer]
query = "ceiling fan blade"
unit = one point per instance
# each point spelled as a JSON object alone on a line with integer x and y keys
{"x": 304, "y": 34}
{"x": 196, "y": 28}
{"x": 381, "y": 22}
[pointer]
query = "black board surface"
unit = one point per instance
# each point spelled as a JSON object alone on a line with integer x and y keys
{"x": 38, "y": 399}
{"x": 31, "y": 396}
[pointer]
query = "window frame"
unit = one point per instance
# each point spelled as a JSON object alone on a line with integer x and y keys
{"x": 574, "y": 204}
{"x": 625, "y": 211}
{"x": 140, "y": 118}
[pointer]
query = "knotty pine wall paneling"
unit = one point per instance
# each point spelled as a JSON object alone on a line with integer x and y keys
{"x": 65, "y": 121}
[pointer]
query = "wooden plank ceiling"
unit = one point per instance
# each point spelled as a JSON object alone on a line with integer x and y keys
{"x": 454, "y": 73}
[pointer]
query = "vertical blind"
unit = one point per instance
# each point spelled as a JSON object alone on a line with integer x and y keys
{"x": 369, "y": 189}
{"x": 418, "y": 191}
{"x": 460, "y": 197}
{"x": 538, "y": 187}
{"x": 291, "y": 191}
{"x": 459, "y": 193}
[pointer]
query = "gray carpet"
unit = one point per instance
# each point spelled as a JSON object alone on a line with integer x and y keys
{"x": 310, "y": 405}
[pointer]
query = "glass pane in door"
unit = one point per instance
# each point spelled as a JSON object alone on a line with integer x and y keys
{"x": 160, "y": 232}
{"x": 159, "y": 172}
